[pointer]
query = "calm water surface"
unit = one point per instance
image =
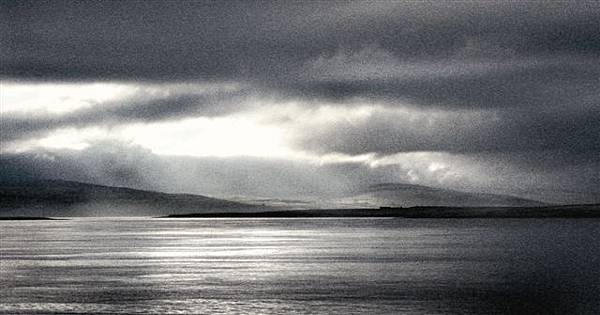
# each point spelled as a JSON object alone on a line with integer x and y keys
{"x": 300, "y": 266}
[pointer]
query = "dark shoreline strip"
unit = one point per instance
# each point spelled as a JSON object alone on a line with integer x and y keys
{"x": 570, "y": 211}
{"x": 27, "y": 218}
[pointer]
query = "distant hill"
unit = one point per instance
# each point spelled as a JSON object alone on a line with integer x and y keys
{"x": 59, "y": 198}
{"x": 407, "y": 195}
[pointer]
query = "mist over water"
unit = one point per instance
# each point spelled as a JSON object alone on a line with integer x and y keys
{"x": 304, "y": 266}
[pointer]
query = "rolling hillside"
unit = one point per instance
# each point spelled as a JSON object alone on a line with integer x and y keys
{"x": 407, "y": 195}
{"x": 57, "y": 198}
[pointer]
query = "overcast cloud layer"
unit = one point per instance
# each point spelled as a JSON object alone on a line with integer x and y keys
{"x": 486, "y": 96}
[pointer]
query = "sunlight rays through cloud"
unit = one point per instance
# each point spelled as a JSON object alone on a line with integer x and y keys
{"x": 58, "y": 98}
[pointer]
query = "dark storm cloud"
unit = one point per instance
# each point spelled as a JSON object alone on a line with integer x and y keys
{"x": 516, "y": 84}
{"x": 472, "y": 54}
{"x": 266, "y": 40}
{"x": 517, "y": 130}
{"x": 139, "y": 107}
{"x": 543, "y": 103}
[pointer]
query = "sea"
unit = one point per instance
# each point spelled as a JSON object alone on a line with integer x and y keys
{"x": 300, "y": 266}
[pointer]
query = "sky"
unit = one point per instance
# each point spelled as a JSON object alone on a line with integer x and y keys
{"x": 306, "y": 98}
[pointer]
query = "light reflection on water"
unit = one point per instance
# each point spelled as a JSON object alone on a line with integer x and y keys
{"x": 307, "y": 266}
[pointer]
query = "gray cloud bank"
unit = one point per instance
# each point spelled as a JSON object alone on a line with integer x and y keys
{"x": 247, "y": 39}
{"x": 139, "y": 107}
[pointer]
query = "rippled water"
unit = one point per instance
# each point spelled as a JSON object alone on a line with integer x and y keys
{"x": 307, "y": 266}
